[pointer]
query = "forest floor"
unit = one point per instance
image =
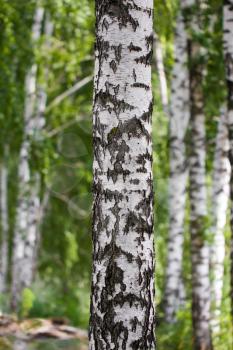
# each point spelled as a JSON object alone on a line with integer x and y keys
{"x": 38, "y": 334}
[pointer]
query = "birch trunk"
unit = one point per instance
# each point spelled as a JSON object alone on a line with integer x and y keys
{"x": 38, "y": 207}
{"x": 220, "y": 197}
{"x": 200, "y": 254}
{"x": 23, "y": 235}
{"x": 198, "y": 211}
{"x": 228, "y": 51}
{"x": 4, "y": 222}
{"x": 161, "y": 72}
{"x": 179, "y": 118}
{"x": 122, "y": 300}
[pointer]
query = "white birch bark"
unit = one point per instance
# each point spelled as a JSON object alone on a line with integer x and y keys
{"x": 23, "y": 234}
{"x": 161, "y": 72}
{"x": 220, "y": 197}
{"x": 200, "y": 253}
{"x": 228, "y": 52}
{"x": 4, "y": 221}
{"x": 179, "y": 118}
{"x": 122, "y": 300}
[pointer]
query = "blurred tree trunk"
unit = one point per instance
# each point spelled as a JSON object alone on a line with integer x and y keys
{"x": 220, "y": 197}
{"x": 198, "y": 209}
{"x": 179, "y": 118}
{"x": 24, "y": 232}
{"x": 161, "y": 72}
{"x": 200, "y": 252}
{"x": 228, "y": 51}
{"x": 122, "y": 300}
{"x": 38, "y": 207}
{"x": 4, "y": 221}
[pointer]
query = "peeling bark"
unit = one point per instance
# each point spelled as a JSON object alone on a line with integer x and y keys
{"x": 122, "y": 300}
{"x": 200, "y": 254}
{"x": 228, "y": 52}
{"x": 28, "y": 196}
{"x": 4, "y": 222}
{"x": 220, "y": 197}
{"x": 179, "y": 118}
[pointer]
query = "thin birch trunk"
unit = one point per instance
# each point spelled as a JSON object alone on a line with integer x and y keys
{"x": 122, "y": 300}
{"x": 37, "y": 207}
{"x": 228, "y": 52}
{"x": 220, "y": 197}
{"x": 20, "y": 274}
{"x": 161, "y": 72}
{"x": 179, "y": 118}
{"x": 4, "y": 222}
{"x": 200, "y": 252}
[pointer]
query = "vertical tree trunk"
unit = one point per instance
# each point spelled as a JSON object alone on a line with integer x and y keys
{"x": 22, "y": 235}
{"x": 37, "y": 207}
{"x": 220, "y": 197}
{"x": 4, "y": 221}
{"x": 228, "y": 51}
{"x": 200, "y": 254}
{"x": 198, "y": 210}
{"x": 179, "y": 118}
{"x": 161, "y": 72}
{"x": 122, "y": 301}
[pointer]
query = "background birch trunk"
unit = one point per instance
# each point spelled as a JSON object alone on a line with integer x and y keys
{"x": 198, "y": 209}
{"x": 22, "y": 234}
{"x": 179, "y": 118}
{"x": 220, "y": 197}
{"x": 122, "y": 301}
{"x": 228, "y": 52}
{"x": 37, "y": 207}
{"x": 200, "y": 251}
{"x": 4, "y": 221}
{"x": 161, "y": 72}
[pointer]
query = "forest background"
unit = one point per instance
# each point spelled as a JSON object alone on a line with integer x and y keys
{"x": 59, "y": 60}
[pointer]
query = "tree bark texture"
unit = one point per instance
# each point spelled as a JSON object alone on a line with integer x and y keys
{"x": 220, "y": 198}
{"x": 4, "y": 221}
{"x": 28, "y": 193}
{"x": 228, "y": 52}
{"x": 179, "y": 118}
{"x": 122, "y": 300}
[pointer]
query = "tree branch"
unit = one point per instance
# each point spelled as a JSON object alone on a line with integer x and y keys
{"x": 69, "y": 92}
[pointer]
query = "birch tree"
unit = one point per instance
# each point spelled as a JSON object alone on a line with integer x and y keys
{"x": 179, "y": 118}
{"x": 198, "y": 195}
{"x": 228, "y": 52}
{"x": 122, "y": 300}
{"x": 4, "y": 221}
{"x": 24, "y": 232}
{"x": 161, "y": 72}
{"x": 220, "y": 197}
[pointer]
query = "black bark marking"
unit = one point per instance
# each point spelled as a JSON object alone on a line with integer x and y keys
{"x": 149, "y": 41}
{"x": 132, "y": 47}
{"x": 146, "y": 59}
{"x": 147, "y": 115}
{"x": 141, "y": 85}
{"x": 116, "y": 9}
{"x": 118, "y": 52}
{"x": 106, "y": 99}
{"x": 113, "y": 65}
{"x": 134, "y": 75}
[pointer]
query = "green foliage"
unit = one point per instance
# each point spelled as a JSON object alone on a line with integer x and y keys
{"x": 27, "y": 302}
{"x": 177, "y": 336}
